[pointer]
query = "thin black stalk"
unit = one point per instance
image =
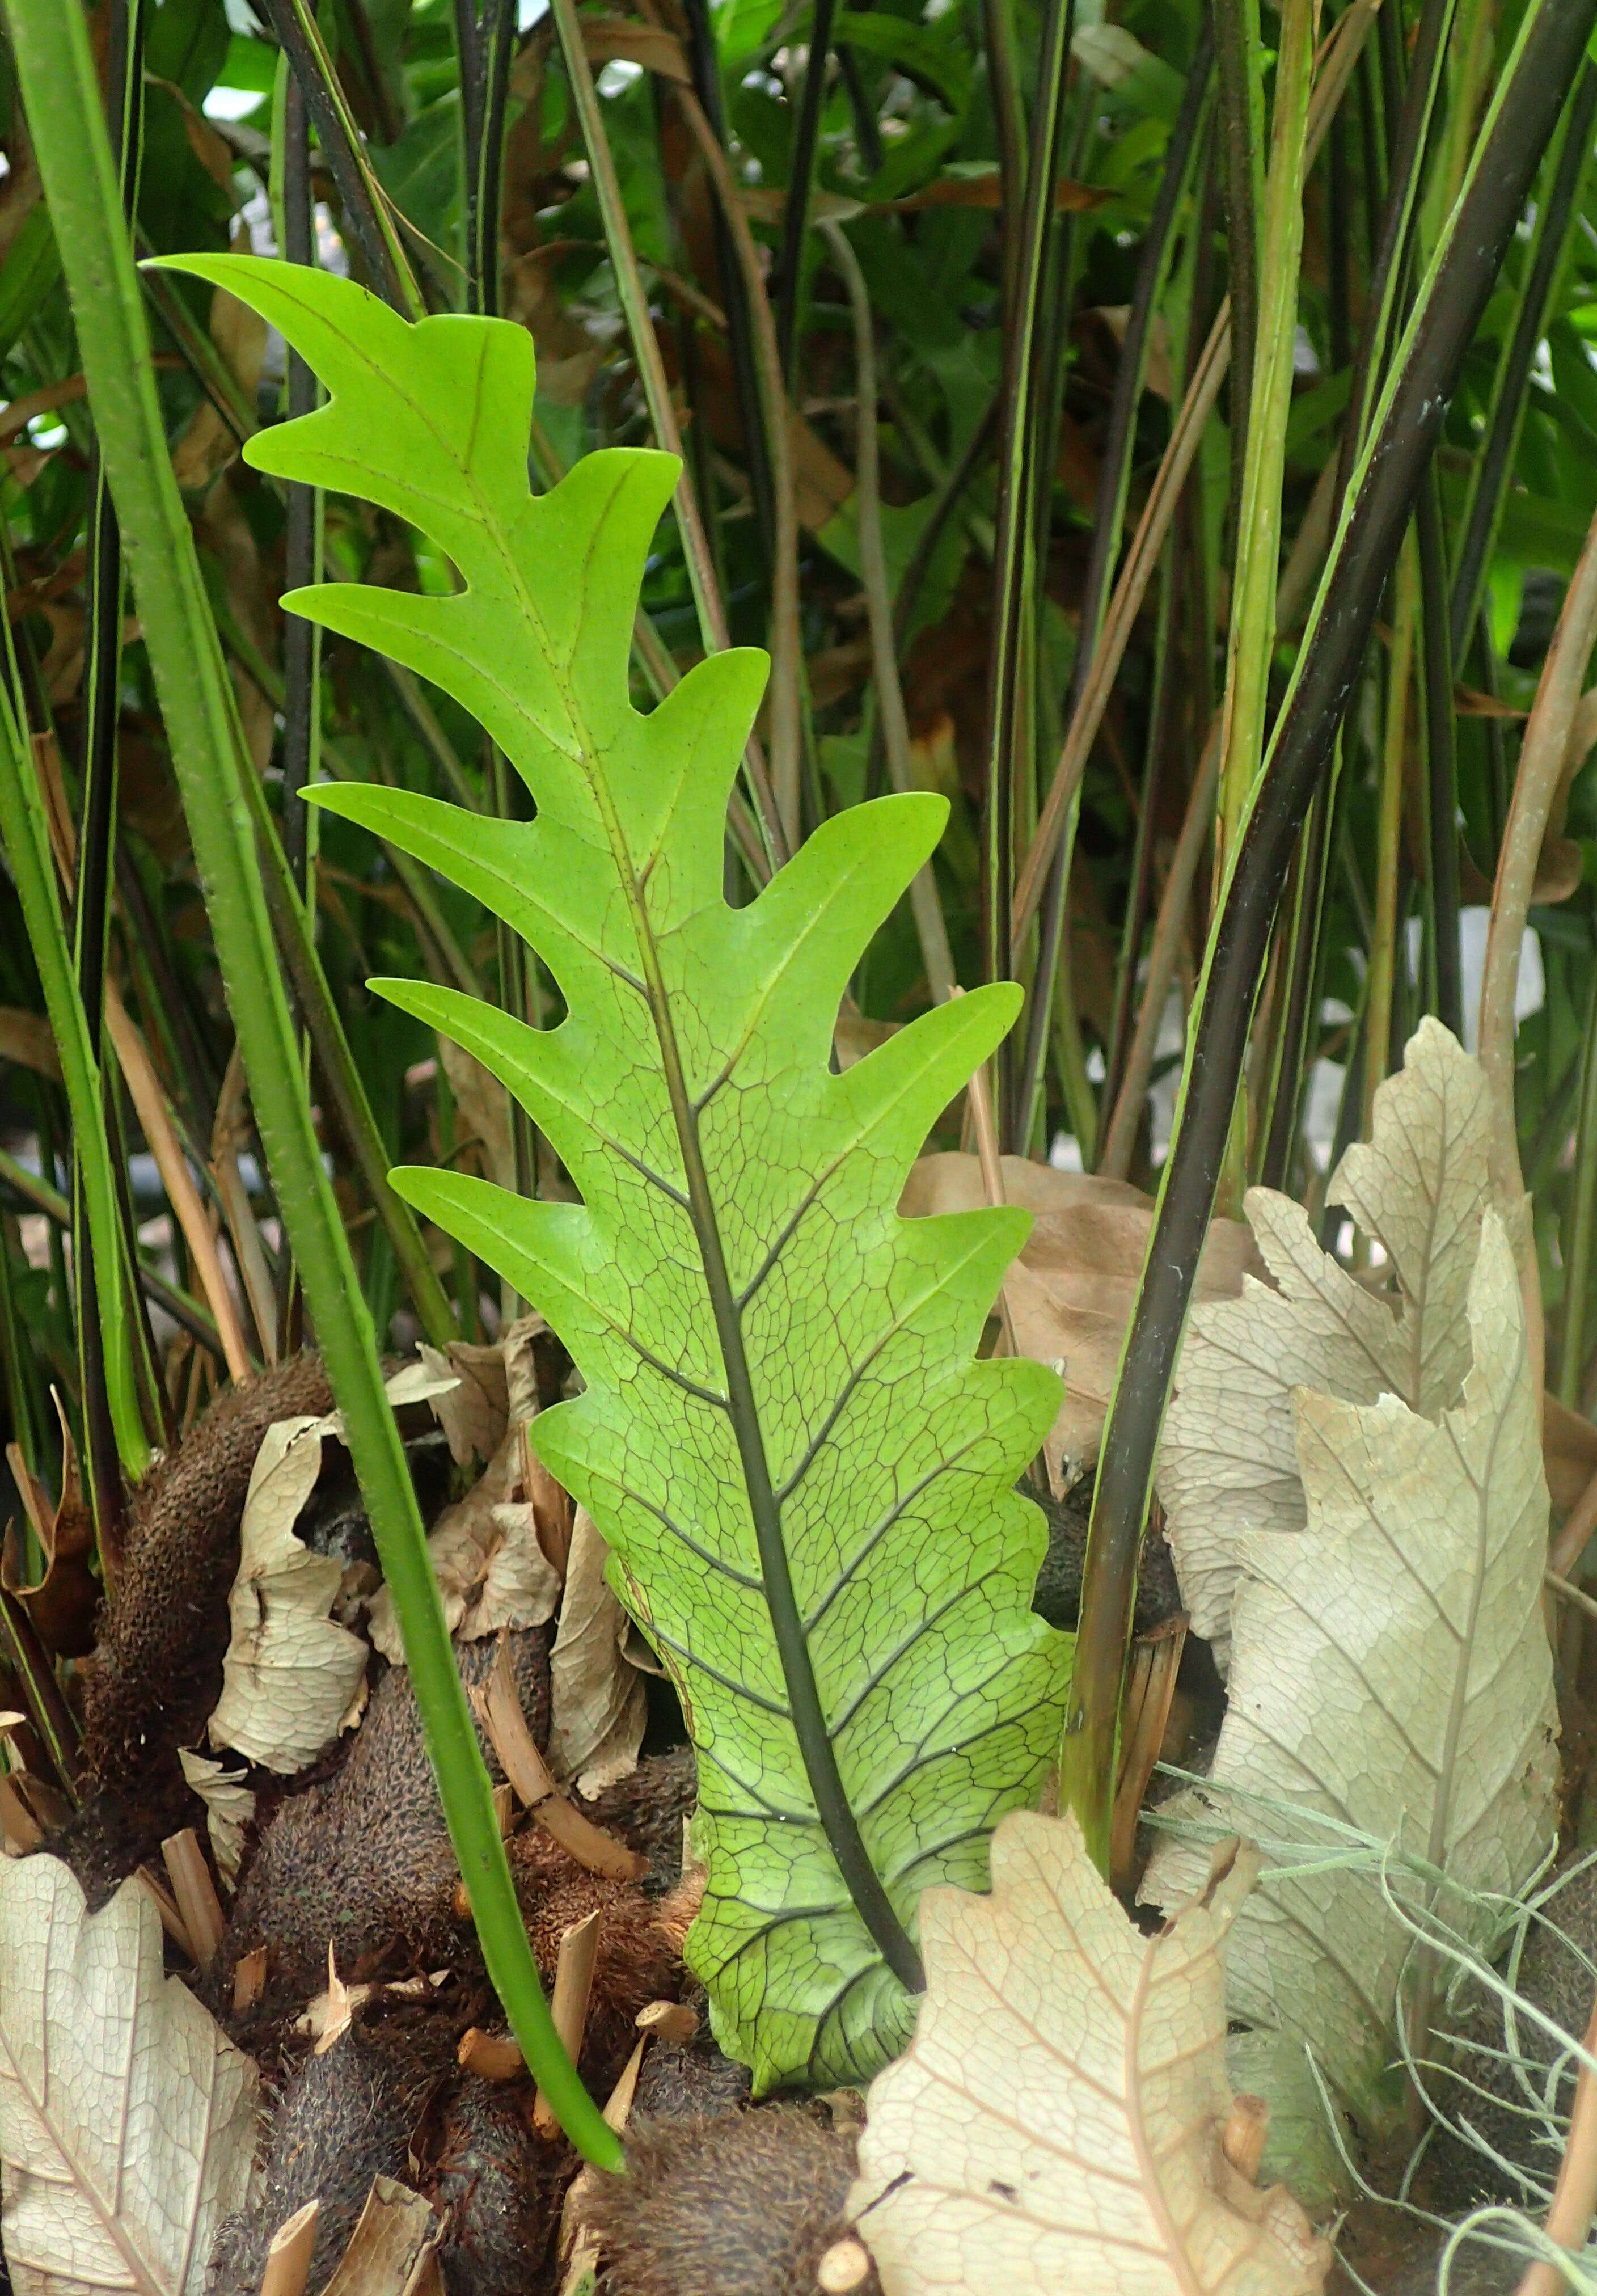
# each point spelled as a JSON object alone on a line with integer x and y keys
{"x": 1109, "y": 519}
{"x": 1006, "y": 758}
{"x": 1241, "y": 147}
{"x": 359, "y": 214}
{"x": 801, "y": 168}
{"x": 96, "y": 848}
{"x": 485, "y": 40}
{"x": 1157, "y": 754}
{"x": 387, "y": 120}
{"x": 1488, "y": 480}
{"x": 1339, "y": 285}
{"x": 1441, "y": 760}
{"x": 1306, "y": 963}
{"x": 704, "y": 64}
{"x": 1525, "y": 110}
{"x": 301, "y": 650}
{"x": 1409, "y": 111}
{"x": 1499, "y": 781}
{"x": 1009, "y": 129}
{"x": 867, "y": 135}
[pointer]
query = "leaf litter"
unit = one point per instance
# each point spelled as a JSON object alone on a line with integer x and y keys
{"x": 1052, "y": 2031}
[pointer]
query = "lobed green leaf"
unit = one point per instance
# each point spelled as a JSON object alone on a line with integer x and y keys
{"x": 805, "y": 1476}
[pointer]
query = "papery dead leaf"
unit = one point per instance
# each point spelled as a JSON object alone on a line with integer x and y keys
{"x": 291, "y": 1672}
{"x": 1056, "y": 2122}
{"x": 393, "y": 2250}
{"x": 61, "y": 1608}
{"x": 1390, "y": 1671}
{"x": 473, "y": 1410}
{"x": 492, "y": 1573}
{"x": 1228, "y": 1458}
{"x": 128, "y": 2120}
{"x": 229, "y": 1809}
{"x": 597, "y": 1703}
{"x": 1071, "y": 1291}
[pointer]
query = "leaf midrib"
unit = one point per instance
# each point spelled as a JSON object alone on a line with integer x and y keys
{"x": 807, "y": 1715}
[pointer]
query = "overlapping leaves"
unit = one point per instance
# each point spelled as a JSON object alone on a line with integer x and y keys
{"x": 804, "y": 1476}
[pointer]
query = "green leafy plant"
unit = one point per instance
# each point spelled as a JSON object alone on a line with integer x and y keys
{"x": 805, "y": 1478}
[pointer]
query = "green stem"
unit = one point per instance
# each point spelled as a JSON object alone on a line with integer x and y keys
{"x": 56, "y": 70}
{"x": 26, "y": 838}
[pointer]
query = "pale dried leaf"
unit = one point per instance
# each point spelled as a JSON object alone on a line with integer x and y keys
{"x": 472, "y": 1410}
{"x": 126, "y": 2119}
{"x": 1391, "y": 1670}
{"x": 1072, "y": 1289}
{"x": 1227, "y": 1463}
{"x": 291, "y": 1672}
{"x": 393, "y": 2250}
{"x": 1056, "y": 2122}
{"x": 490, "y": 1569}
{"x": 229, "y": 1809}
{"x": 597, "y": 1702}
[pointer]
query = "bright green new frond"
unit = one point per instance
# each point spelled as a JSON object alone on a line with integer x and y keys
{"x": 804, "y": 1475}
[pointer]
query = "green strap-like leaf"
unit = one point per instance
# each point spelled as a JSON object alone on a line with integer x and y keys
{"x": 805, "y": 1476}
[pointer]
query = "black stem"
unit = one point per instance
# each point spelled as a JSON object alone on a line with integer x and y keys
{"x": 1022, "y": 379}
{"x": 801, "y": 168}
{"x": 1527, "y": 111}
{"x": 360, "y": 217}
{"x": 1242, "y": 166}
{"x": 704, "y": 62}
{"x": 1409, "y": 111}
{"x": 299, "y": 649}
{"x": 867, "y": 135}
{"x": 1490, "y": 478}
{"x": 1108, "y": 516}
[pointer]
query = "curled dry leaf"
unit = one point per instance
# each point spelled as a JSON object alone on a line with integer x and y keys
{"x": 473, "y": 1409}
{"x": 1071, "y": 1291}
{"x": 1420, "y": 1186}
{"x": 1390, "y": 1671}
{"x": 491, "y": 1570}
{"x": 597, "y": 1703}
{"x": 127, "y": 2118}
{"x": 64, "y": 1605}
{"x": 292, "y": 1674}
{"x": 229, "y": 1809}
{"x": 393, "y": 2250}
{"x": 1057, "y": 2122}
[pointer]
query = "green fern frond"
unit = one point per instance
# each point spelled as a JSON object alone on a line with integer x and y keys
{"x": 804, "y": 1476}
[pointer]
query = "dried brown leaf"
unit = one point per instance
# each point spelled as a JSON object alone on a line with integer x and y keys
{"x": 1390, "y": 1675}
{"x": 126, "y": 2119}
{"x": 597, "y": 1702}
{"x": 491, "y": 1570}
{"x": 229, "y": 1809}
{"x": 1228, "y": 1458}
{"x": 1057, "y": 2122}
